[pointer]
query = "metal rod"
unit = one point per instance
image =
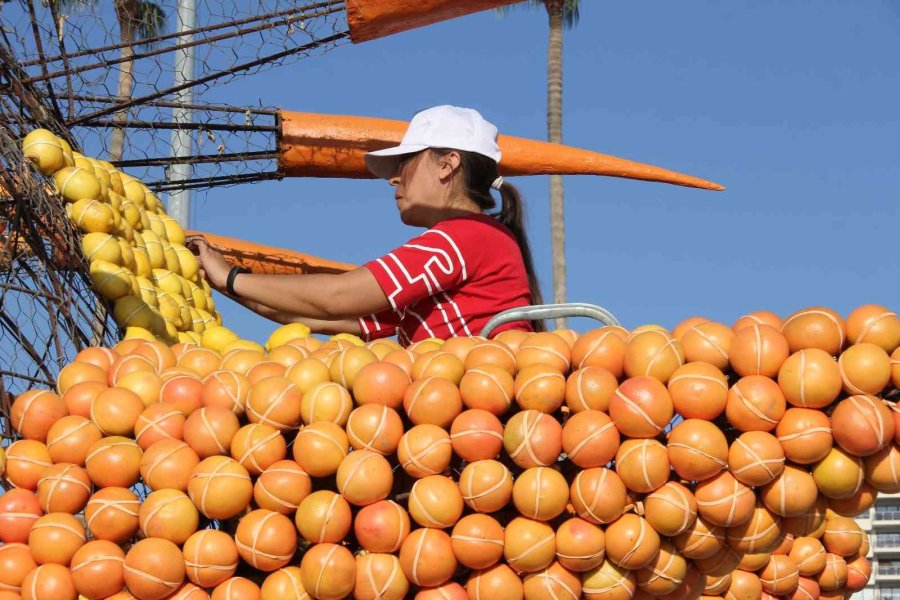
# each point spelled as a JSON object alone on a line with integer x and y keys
{"x": 211, "y": 77}
{"x": 161, "y": 104}
{"x": 179, "y": 204}
{"x": 207, "y": 182}
{"x": 47, "y": 382}
{"x": 169, "y": 36}
{"x": 105, "y": 64}
{"x": 185, "y": 126}
{"x": 196, "y": 160}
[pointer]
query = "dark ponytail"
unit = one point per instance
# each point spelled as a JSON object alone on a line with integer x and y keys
{"x": 479, "y": 174}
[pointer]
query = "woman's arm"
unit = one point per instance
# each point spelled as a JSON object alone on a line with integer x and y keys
{"x": 316, "y": 297}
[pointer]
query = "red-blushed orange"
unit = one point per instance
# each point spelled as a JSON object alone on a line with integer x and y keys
{"x": 529, "y": 545}
{"x": 379, "y": 577}
{"x": 698, "y": 390}
{"x": 859, "y": 571}
{"x": 380, "y": 383}
{"x": 210, "y": 557}
{"x": 865, "y": 369}
{"x": 590, "y": 388}
{"x": 319, "y": 448}
{"x": 477, "y": 541}
{"x": 540, "y": 387}
{"x": 64, "y": 488}
{"x": 603, "y": 347}
{"x": 323, "y": 517}
{"x": 78, "y": 398}
{"x": 282, "y": 487}
{"x": 374, "y": 427}
{"x": 70, "y": 439}
{"x": 486, "y": 485}
{"x": 202, "y": 361}
{"x": 833, "y": 576}
{"x": 791, "y": 494}
{"x": 19, "y": 509}
{"x": 598, "y": 495}
{"x": 862, "y": 425}
{"x": 755, "y": 458}
{"x": 758, "y": 350}
{"x": 328, "y": 571}
{"x": 168, "y": 464}
{"x": 220, "y": 487}
{"x": 33, "y": 413}
{"x": 364, "y": 477}
{"x": 815, "y": 327}
{"x": 755, "y": 403}
{"x": 487, "y": 387}
{"x": 433, "y": 400}
{"x": 381, "y": 526}
{"x": 168, "y": 514}
{"x": 708, "y": 342}
{"x": 154, "y": 568}
{"x": 158, "y": 422}
{"x": 266, "y": 539}
{"x": 26, "y": 463}
{"x": 426, "y": 557}
{"x": 697, "y": 449}
{"x": 114, "y": 461}
{"x": 590, "y": 439}
{"x": 183, "y": 392}
{"x": 671, "y": 509}
{"x": 55, "y": 537}
{"x": 496, "y": 581}
{"x": 15, "y": 563}
{"x": 112, "y": 514}
{"x": 580, "y": 545}
{"x": 805, "y": 435}
{"x": 476, "y": 434}
{"x": 424, "y": 450}
{"x": 723, "y": 500}
{"x": 98, "y": 569}
{"x": 257, "y": 446}
{"x": 641, "y": 407}
{"x": 227, "y": 389}
{"x": 874, "y": 324}
{"x": 209, "y": 430}
{"x": 49, "y": 581}
{"x": 532, "y": 439}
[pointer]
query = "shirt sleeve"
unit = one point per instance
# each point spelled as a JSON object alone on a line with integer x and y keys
{"x": 427, "y": 265}
{"x": 379, "y": 325}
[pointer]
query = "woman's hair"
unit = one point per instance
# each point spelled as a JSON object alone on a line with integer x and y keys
{"x": 479, "y": 173}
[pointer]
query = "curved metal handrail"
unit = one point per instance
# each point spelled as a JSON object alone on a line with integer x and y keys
{"x": 550, "y": 311}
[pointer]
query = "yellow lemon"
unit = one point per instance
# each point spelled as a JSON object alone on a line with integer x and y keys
{"x": 116, "y": 200}
{"x": 92, "y": 216}
{"x": 189, "y": 337}
{"x": 148, "y": 291}
{"x": 43, "y": 149}
{"x": 154, "y": 249}
{"x": 68, "y": 156}
{"x": 134, "y": 191}
{"x": 286, "y": 333}
{"x": 75, "y": 183}
{"x": 242, "y": 345}
{"x": 174, "y": 231}
{"x": 139, "y": 333}
{"x": 101, "y": 246}
{"x": 131, "y": 212}
{"x": 167, "y": 280}
{"x": 190, "y": 266}
{"x": 158, "y": 227}
{"x": 349, "y": 337}
{"x": 216, "y": 338}
{"x": 111, "y": 280}
{"x": 172, "y": 262}
{"x": 132, "y": 311}
{"x": 127, "y": 254}
{"x": 197, "y": 322}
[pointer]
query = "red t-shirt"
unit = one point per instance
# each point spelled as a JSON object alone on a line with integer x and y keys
{"x": 450, "y": 281}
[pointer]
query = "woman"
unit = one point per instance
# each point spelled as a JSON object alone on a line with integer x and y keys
{"x": 449, "y": 281}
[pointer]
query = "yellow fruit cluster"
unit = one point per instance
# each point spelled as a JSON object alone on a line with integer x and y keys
{"x": 136, "y": 251}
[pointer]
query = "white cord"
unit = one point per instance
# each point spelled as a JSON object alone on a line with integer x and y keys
{"x": 498, "y": 183}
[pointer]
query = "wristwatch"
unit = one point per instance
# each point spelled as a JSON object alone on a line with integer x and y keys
{"x": 232, "y": 275}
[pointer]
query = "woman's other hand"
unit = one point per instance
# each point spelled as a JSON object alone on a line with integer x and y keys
{"x": 213, "y": 265}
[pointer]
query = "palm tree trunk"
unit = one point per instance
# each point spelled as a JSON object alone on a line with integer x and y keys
{"x": 126, "y": 12}
{"x": 554, "y": 131}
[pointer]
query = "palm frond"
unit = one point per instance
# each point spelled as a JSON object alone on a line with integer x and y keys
{"x": 151, "y": 20}
{"x": 570, "y": 10}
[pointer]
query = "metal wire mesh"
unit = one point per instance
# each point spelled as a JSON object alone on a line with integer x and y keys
{"x": 97, "y": 73}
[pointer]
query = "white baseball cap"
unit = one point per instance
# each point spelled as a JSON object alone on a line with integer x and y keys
{"x": 438, "y": 127}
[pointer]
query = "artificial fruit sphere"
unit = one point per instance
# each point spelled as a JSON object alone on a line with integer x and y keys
{"x": 43, "y": 149}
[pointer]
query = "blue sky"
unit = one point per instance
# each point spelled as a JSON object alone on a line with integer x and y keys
{"x": 792, "y": 105}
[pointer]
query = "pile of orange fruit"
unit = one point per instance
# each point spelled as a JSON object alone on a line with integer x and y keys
{"x": 712, "y": 460}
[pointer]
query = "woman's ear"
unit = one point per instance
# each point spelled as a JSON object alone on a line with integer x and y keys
{"x": 448, "y": 164}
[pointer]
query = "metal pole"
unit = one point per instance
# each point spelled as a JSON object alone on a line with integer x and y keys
{"x": 182, "y": 140}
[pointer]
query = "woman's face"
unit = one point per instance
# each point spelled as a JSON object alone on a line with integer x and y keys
{"x": 420, "y": 187}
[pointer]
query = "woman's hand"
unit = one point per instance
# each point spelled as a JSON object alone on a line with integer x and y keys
{"x": 213, "y": 265}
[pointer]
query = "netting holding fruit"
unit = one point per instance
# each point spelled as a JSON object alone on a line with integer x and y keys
{"x": 713, "y": 460}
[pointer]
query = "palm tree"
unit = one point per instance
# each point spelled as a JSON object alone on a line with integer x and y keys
{"x": 138, "y": 20}
{"x": 563, "y": 14}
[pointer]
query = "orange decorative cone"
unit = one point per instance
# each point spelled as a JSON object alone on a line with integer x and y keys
{"x": 317, "y": 145}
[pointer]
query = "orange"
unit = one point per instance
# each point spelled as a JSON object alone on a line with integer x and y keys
{"x": 19, "y": 509}
{"x": 815, "y": 327}
{"x": 590, "y": 439}
{"x": 540, "y": 493}
{"x": 486, "y": 485}
{"x": 328, "y": 571}
{"x": 15, "y": 563}
{"x": 580, "y": 546}
{"x": 209, "y": 430}
{"x": 226, "y": 389}
{"x": 862, "y": 425}
{"x": 158, "y": 422}
{"x": 707, "y": 342}
{"x": 64, "y": 488}
{"x": 598, "y": 495}
{"x": 236, "y": 588}
{"x": 168, "y": 514}
{"x": 545, "y": 349}
{"x": 874, "y": 324}
{"x": 723, "y": 500}
{"x": 805, "y": 435}
{"x": 698, "y": 390}
{"x": 183, "y": 392}
{"x": 116, "y": 411}
{"x": 282, "y": 487}
{"x": 529, "y": 545}
{"x": 755, "y": 403}
{"x": 323, "y": 516}
{"x": 665, "y": 572}
{"x": 55, "y": 537}
{"x": 26, "y": 463}
{"x": 381, "y": 526}
{"x": 364, "y": 477}
{"x": 427, "y": 558}
{"x": 210, "y": 557}
{"x": 438, "y": 364}
{"x": 532, "y": 439}
{"x": 114, "y": 461}
{"x": 70, "y": 439}
{"x": 643, "y": 465}
{"x": 374, "y": 427}
{"x": 266, "y": 539}
{"x": 424, "y": 450}
{"x": 378, "y": 576}
{"x": 697, "y": 449}
{"x": 324, "y": 402}
{"x": 758, "y": 350}
{"x": 653, "y": 353}
{"x": 671, "y": 509}
{"x": 257, "y": 446}
{"x": 348, "y": 363}
{"x": 608, "y": 581}
{"x": 79, "y": 397}
{"x": 98, "y": 569}
{"x": 603, "y": 348}
{"x": 477, "y": 541}
{"x": 380, "y": 383}
{"x": 539, "y": 387}
{"x": 112, "y": 514}
{"x": 154, "y": 568}
{"x": 34, "y": 413}
{"x": 319, "y": 448}
{"x": 590, "y": 388}
{"x": 487, "y": 387}
{"x": 496, "y": 581}
{"x": 220, "y": 487}
{"x": 755, "y": 458}
{"x": 49, "y": 581}
{"x": 79, "y": 372}
{"x": 476, "y": 434}
{"x": 432, "y": 400}
{"x": 491, "y": 353}
{"x": 791, "y": 494}
{"x": 202, "y": 361}
{"x": 641, "y": 407}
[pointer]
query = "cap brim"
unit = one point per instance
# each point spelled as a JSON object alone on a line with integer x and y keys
{"x": 383, "y": 163}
